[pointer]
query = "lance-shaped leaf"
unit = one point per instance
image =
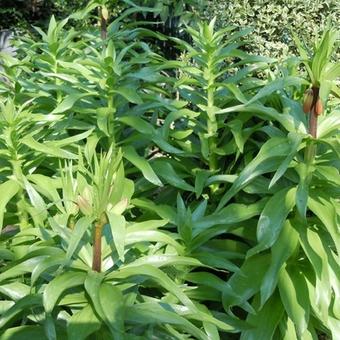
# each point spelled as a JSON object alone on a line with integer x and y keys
{"x": 268, "y": 159}
{"x": 8, "y": 190}
{"x": 272, "y": 219}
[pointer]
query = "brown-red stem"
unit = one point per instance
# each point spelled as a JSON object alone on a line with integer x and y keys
{"x": 97, "y": 243}
{"x": 313, "y": 117}
{"x": 313, "y": 126}
{"x": 103, "y": 25}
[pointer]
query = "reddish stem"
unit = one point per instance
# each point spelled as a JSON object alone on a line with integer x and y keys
{"x": 313, "y": 126}
{"x": 103, "y": 25}
{"x": 97, "y": 243}
{"x": 313, "y": 120}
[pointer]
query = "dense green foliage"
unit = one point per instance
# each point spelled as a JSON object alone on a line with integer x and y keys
{"x": 273, "y": 21}
{"x": 148, "y": 198}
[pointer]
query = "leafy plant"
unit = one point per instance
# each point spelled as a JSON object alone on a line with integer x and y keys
{"x": 169, "y": 199}
{"x": 273, "y": 22}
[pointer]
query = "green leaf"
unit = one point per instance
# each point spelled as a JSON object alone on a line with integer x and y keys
{"x": 36, "y": 200}
{"x": 265, "y": 321}
{"x": 164, "y": 211}
{"x": 118, "y": 230}
{"x": 329, "y": 124}
{"x": 305, "y": 172}
{"x": 231, "y": 214}
{"x": 82, "y": 225}
{"x": 47, "y": 149}
{"x": 272, "y": 219}
{"x": 283, "y": 248}
{"x": 166, "y": 171}
{"x": 24, "y": 267}
{"x": 139, "y": 124}
{"x": 268, "y": 159}
{"x": 58, "y": 286}
{"x": 111, "y": 300}
{"x": 315, "y": 251}
{"x": 152, "y": 236}
{"x": 158, "y": 276}
{"x": 142, "y": 164}
{"x": 294, "y": 294}
{"x": 24, "y": 333}
{"x": 321, "y": 205}
{"x": 81, "y": 14}
{"x": 166, "y": 260}
{"x": 82, "y": 324}
{"x": 8, "y": 190}
{"x": 295, "y": 141}
{"x": 153, "y": 313}
{"x": 70, "y": 140}
{"x": 69, "y": 101}
{"x": 246, "y": 282}
{"x": 130, "y": 94}
{"x": 45, "y": 264}
{"x": 15, "y": 290}
{"x": 26, "y": 302}
{"x": 49, "y": 327}
{"x": 278, "y": 84}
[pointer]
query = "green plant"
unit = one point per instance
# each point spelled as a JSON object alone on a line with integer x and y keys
{"x": 169, "y": 199}
{"x": 273, "y": 22}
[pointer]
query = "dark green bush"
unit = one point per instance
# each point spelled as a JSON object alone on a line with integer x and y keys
{"x": 21, "y": 14}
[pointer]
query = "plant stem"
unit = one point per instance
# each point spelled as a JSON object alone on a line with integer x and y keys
{"x": 21, "y": 205}
{"x": 103, "y": 25}
{"x": 212, "y": 128}
{"x": 313, "y": 126}
{"x": 97, "y": 243}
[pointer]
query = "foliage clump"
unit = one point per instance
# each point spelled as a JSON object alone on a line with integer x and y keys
{"x": 273, "y": 21}
{"x": 144, "y": 197}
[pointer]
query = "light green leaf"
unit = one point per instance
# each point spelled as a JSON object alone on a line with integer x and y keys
{"x": 15, "y": 290}
{"x": 329, "y": 124}
{"x": 8, "y": 190}
{"x": 21, "y": 268}
{"x": 45, "y": 264}
{"x": 322, "y": 207}
{"x": 276, "y": 85}
{"x": 82, "y": 324}
{"x": 118, "y": 229}
{"x": 139, "y": 124}
{"x": 294, "y": 294}
{"x": 27, "y": 302}
{"x": 295, "y": 141}
{"x": 153, "y": 313}
{"x": 69, "y": 101}
{"x": 37, "y": 201}
{"x": 156, "y": 275}
{"x": 272, "y": 219}
{"x": 112, "y": 303}
{"x": 280, "y": 253}
{"x": 82, "y": 225}
{"x": 265, "y": 321}
{"x": 152, "y": 236}
{"x": 246, "y": 282}
{"x": 268, "y": 159}
{"x": 166, "y": 260}
{"x": 24, "y": 333}
{"x": 50, "y": 150}
{"x": 142, "y": 164}
{"x": 58, "y": 285}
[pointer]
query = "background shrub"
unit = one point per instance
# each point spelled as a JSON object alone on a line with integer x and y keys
{"x": 273, "y": 20}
